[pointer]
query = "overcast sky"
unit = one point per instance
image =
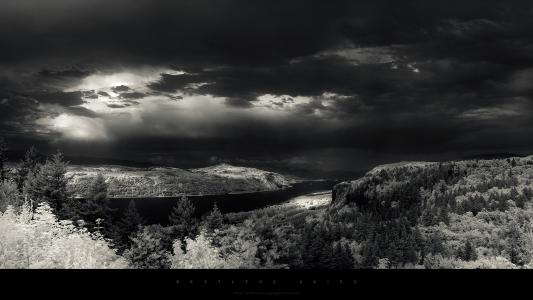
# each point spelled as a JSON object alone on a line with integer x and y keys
{"x": 329, "y": 84}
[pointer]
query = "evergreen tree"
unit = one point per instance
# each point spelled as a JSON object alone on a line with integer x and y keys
{"x": 129, "y": 223}
{"x": 327, "y": 257}
{"x": 368, "y": 253}
{"x": 342, "y": 257}
{"x": 420, "y": 245}
{"x": 147, "y": 249}
{"x": 3, "y": 159}
{"x": 49, "y": 183}
{"x": 96, "y": 204}
{"x": 308, "y": 250}
{"x": 521, "y": 200}
{"x": 469, "y": 252}
{"x": 516, "y": 246}
{"x": 182, "y": 220}
{"x": 28, "y": 165}
{"x": 434, "y": 244}
{"x": 215, "y": 219}
{"x": 182, "y": 212}
{"x": 9, "y": 195}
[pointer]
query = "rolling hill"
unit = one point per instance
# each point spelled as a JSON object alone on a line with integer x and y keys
{"x": 165, "y": 181}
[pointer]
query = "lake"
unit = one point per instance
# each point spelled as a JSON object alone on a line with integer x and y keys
{"x": 155, "y": 210}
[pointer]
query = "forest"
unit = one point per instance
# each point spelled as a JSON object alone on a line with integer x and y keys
{"x": 462, "y": 214}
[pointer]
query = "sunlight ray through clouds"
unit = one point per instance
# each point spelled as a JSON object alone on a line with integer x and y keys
{"x": 77, "y": 128}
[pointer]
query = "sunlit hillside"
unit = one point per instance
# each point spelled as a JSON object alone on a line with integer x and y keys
{"x": 161, "y": 181}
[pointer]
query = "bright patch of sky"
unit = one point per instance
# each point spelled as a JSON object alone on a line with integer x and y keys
{"x": 190, "y": 115}
{"x": 487, "y": 113}
{"x": 135, "y": 79}
{"x": 77, "y": 128}
{"x": 281, "y": 102}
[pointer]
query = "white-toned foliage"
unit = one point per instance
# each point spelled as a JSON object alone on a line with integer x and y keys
{"x": 199, "y": 254}
{"x": 40, "y": 240}
{"x": 234, "y": 251}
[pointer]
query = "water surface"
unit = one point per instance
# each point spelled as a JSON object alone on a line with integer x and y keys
{"x": 155, "y": 210}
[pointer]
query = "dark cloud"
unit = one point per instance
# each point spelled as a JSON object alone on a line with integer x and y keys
{"x": 172, "y": 83}
{"x": 59, "y": 97}
{"x": 113, "y": 105}
{"x": 388, "y": 79}
{"x": 307, "y": 78}
{"x": 82, "y": 111}
{"x": 89, "y": 94}
{"x": 62, "y": 73}
{"x": 120, "y": 88}
{"x": 132, "y": 95}
{"x": 175, "y": 97}
{"x": 244, "y": 32}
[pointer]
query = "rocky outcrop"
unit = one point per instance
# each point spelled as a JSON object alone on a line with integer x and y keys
{"x": 348, "y": 191}
{"x": 354, "y": 191}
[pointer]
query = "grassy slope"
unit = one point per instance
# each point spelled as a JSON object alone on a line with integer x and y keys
{"x": 149, "y": 182}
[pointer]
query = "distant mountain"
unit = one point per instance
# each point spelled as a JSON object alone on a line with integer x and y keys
{"x": 126, "y": 181}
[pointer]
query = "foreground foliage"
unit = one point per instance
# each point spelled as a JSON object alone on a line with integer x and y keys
{"x": 39, "y": 240}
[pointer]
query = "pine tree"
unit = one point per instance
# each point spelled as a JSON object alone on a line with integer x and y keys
{"x": 513, "y": 163}
{"x": 368, "y": 252}
{"x": 434, "y": 245}
{"x": 306, "y": 245}
{"x": 327, "y": 256}
{"x": 347, "y": 258}
{"x": 30, "y": 163}
{"x": 96, "y": 204}
{"x": 147, "y": 249}
{"x": 342, "y": 257}
{"x": 49, "y": 183}
{"x": 516, "y": 246}
{"x": 182, "y": 212}
{"x": 3, "y": 159}
{"x": 469, "y": 252}
{"x": 129, "y": 223}
{"x": 9, "y": 195}
{"x": 215, "y": 219}
{"x": 182, "y": 220}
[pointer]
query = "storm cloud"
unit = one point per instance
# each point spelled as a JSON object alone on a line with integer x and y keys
{"x": 357, "y": 81}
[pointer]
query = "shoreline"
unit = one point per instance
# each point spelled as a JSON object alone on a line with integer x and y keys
{"x": 220, "y": 194}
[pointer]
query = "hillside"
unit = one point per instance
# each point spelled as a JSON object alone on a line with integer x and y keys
{"x": 162, "y": 181}
{"x": 269, "y": 180}
{"x": 462, "y": 214}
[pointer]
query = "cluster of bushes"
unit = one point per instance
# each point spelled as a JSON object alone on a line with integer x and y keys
{"x": 37, "y": 239}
